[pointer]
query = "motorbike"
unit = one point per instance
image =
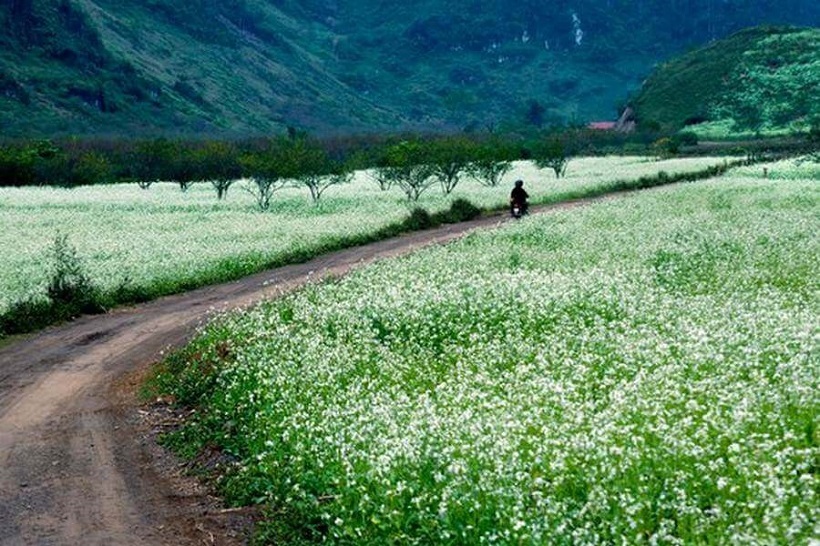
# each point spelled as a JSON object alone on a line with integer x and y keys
{"x": 517, "y": 209}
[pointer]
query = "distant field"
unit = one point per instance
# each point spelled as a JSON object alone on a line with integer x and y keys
{"x": 161, "y": 240}
{"x": 638, "y": 371}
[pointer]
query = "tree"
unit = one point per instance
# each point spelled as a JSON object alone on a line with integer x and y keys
{"x": 554, "y": 154}
{"x": 153, "y": 161}
{"x": 219, "y": 163}
{"x": 409, "y": 167}
{"x": 382, "y": 175}
{"x": 266, "y": 173}
{"x": 491, "y": 161}
{"x": 449, "y": 158}
{"x": 308, "y": 164}
{"x": 381, "y": 172}
{"x": 813, "y": 142}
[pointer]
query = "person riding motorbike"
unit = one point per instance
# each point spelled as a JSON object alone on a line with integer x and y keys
{"x": 518, "y": 199}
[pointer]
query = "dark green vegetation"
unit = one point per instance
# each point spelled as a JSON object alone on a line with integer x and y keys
{"x": 239, "y": 67}
{"x": 413, "y": 162}
{"x": 758, "y": 80}
{"x": 69, "y": 293}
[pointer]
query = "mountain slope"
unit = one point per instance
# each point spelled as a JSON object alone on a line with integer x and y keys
{"x": 760, "y": 79}
{"x": 239, "y": 67}
{"x": 169, "y": 67}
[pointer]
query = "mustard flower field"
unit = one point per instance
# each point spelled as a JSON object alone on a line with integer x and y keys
{"x": 162, "y": 240}
{"x": 638, "y": 371}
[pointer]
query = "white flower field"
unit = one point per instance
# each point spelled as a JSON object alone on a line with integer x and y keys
{"x": 639, "y": 371}
{"x": 161, "y": 240}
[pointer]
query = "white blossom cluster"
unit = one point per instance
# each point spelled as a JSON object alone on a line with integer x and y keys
{"x": 164, "y": 237}
{"x": 641, "y": 371}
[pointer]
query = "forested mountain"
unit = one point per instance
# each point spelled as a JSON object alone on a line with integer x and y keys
{"x": 241, "y": 67}
{"x": 763, "y": 79}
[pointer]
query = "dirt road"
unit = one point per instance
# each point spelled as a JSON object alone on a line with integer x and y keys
{"x": 78, "y": 459}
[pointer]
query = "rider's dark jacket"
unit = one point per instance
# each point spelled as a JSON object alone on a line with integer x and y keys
{"x": 519, "y": 195}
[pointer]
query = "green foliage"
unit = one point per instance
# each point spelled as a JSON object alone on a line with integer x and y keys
{"x": 462, "y": 210}
{"x": 68, "y": 284}
{"x": 419, "y": 219}
{"x": 206, "y": 68}
{"x": 665, "y": 147}
{"x": 450, "y": 158}
{"x": 552, "y": 153}
{"x": 686, "y": 138}
{"x": 218, "y": 162}
{"x": 307, "y": 163}
{"x": 763, "y": 79}
{"x": 68, "y": 293}
{"x": 491, "y": 160}
{"x": 535, "y": 113}
{"x": 407, "y": 164}
{"x": 775, "y": 83}
{"x": 152, "y": 161}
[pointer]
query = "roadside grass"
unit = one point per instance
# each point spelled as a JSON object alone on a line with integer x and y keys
{"x": 637, "y": 371}
{"x": 136, "y": 245}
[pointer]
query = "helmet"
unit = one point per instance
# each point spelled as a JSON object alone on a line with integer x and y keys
{"x": 519, "y": 183}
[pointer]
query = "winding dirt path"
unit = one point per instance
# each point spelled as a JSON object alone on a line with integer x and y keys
{"x": 78, "y": 459}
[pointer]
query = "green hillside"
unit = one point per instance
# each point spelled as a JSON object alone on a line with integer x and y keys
{"x": 764, "y": 79}
{"x": 240, "y": 67}
{"x": 114, "y": 67}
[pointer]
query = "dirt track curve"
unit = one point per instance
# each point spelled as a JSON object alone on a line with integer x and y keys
{"x": 78, "y": 460}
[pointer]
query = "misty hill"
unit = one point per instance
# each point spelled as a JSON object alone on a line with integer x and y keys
{"x": 762, "y": 79}
{"x": 256, "y": 66}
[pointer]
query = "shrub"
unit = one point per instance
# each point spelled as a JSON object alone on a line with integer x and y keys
{"x": 27, "y": 315}
{"x": 686, "y": 138}
{"x": 460, "y": 210}
{"x": 69, "y": 293}
{"x": 419, "y": 219}
{"x": 69, "y": 286}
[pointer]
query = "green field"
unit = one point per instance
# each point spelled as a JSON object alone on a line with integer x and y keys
{"x": 642, "y": 370}
{"x": 161, "y": 240}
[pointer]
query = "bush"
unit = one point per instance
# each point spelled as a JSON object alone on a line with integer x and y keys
{"x": 68, "y": 284}
{"x": 460, "y": 210}
{"x": 27, "y": 315}
{"x": 686, "y": 138}
{"x": 69, "y": 293}
{"x": 419, "y": 219}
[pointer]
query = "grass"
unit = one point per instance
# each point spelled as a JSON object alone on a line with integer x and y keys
{"x": 138, "y": 244}
{"x": 637, "y": 371}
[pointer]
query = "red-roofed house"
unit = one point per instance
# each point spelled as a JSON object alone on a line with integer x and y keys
{"x": 602, "y": 125}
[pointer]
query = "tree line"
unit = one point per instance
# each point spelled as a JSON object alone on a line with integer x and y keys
{"x": 414, "y": 163}
{"x": 313, "y": 162}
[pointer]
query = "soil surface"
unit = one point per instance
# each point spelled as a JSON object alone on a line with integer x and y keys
{"x": 79, "y": 462}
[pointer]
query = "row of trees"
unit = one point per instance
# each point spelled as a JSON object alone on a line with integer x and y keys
{"x": 412, "y": 163}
